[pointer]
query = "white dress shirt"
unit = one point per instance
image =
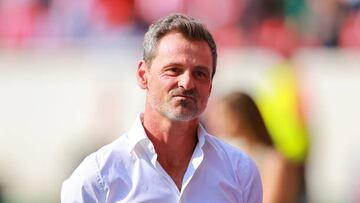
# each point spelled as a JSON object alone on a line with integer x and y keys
{"x": 127, "y": 171}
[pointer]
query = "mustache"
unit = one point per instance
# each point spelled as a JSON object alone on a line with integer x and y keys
{"x": 181, "y": 92}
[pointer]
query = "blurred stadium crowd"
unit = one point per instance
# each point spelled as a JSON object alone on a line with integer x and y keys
{"x": 282, "y": 25}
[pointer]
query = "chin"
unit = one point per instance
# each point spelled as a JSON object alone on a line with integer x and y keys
{"x": 181, "y": 116}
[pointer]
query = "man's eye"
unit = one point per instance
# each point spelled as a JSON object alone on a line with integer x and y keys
{"x": 200, "y": 74}
{"x": 172, "y": 70}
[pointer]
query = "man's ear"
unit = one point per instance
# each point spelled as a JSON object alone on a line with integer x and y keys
{"x": 141, "y": 74}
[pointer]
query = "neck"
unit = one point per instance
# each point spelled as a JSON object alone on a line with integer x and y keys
{"x": 169, "y": 134}
{"x": 174, "y": 142}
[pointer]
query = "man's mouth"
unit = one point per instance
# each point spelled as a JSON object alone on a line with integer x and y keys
{"x": 185, "y": 96}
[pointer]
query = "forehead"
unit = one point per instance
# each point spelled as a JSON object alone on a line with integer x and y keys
{"x": 174, "y": 45}
{"x": 176, "y": 40}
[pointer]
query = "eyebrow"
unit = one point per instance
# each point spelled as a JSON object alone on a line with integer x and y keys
{"x": 173, "y": 64}
{"x": 204, "y": 68}
{"x": 181, "y": 65}
{"x": 196, "y": 67}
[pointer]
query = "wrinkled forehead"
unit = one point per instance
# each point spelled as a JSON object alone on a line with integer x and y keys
{"x": 176, "y": 46}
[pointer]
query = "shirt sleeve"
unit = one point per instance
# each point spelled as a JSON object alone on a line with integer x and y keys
{"x": 84, "y": 185}
{"x": 253, "y": 192}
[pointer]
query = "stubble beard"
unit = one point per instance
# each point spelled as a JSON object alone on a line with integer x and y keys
{"x": 182, "y": 110}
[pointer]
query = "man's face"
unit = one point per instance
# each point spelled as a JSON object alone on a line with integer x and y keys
{"x": 179, "y": 79}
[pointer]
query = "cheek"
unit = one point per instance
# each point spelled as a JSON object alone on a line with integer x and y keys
{"x": 160, "y": 85}
{"x": 167, "y": 83}
{"x": 205, "y": 94}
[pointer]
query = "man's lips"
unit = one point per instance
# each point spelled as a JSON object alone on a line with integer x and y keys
{"x": 185, "y": 96}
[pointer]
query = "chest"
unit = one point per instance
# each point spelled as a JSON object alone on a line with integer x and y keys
{"x": 175, "y": 169}
{"x": 146, "y": 183}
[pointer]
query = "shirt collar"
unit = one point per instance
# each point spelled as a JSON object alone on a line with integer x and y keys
{"x": 137, "y": 134}
{"x": 201, "y": 132}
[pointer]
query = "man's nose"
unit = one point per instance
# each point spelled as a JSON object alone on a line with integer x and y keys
{"x": 186, "y": 81}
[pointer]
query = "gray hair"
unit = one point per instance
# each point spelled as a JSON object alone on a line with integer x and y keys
{"x": 186, "y": 25}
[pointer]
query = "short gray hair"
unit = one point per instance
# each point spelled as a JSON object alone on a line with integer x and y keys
{"x": 186, "y": 25}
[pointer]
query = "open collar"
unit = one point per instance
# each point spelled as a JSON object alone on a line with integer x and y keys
{"x": 137, "y": 134}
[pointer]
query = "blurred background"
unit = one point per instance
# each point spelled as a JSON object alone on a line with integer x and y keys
{"x": 67, "y": 83}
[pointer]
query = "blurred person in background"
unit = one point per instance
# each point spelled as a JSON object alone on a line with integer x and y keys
{"x": 167, "y": 156}
{"x": 237, "y": 119}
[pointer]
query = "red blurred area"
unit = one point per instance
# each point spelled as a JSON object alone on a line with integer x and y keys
{"x": 275, "y": 34}
{"x": 234, "y": 23}
{"x": 18, "y": 22}
{"x": 115, "y": 12}
{"x": 350, "y": 32}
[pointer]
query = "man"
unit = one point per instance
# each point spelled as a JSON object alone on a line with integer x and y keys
{"x": 167, "y": 156}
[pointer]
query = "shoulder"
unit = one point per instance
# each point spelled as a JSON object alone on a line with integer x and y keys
{"x": 233, "y": 154}
{"x": 84, "y": 184}
{"x": 244, "y": 168}
{"x": 237, "y": 159}
{"x": 90, "y": 180}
